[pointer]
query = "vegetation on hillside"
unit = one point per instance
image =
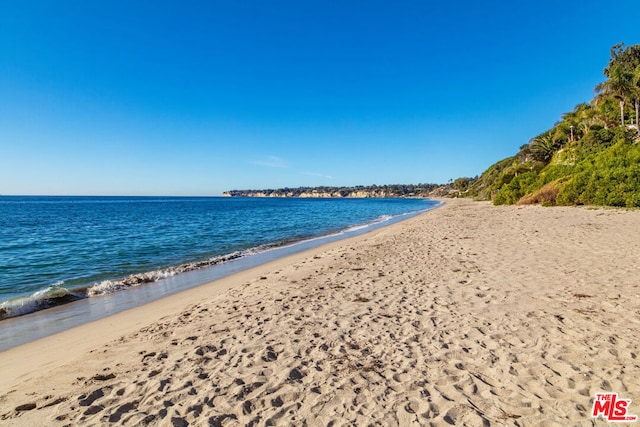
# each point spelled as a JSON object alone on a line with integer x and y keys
{"x": 591, "y": 156}
{"x": 393, "y": 190}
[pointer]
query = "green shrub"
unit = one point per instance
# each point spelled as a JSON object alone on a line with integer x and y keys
{"x": 610, "y": 177}
{"x": 513, "y": 191}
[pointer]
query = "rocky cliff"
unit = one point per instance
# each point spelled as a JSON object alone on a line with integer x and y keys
{"x": 419, "y": 190}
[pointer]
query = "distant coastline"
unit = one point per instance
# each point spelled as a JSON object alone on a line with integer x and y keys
{"x": 360, "y": 191}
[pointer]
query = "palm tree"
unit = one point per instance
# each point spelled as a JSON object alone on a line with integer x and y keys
{"x": 543, "y": 146}
{"x": 635, "y": 80}
{"x": 619, "y": 86}
{"x": 587, "y": 117}
{"x": 574, "y": 120}
{"x": 606, "y": 109}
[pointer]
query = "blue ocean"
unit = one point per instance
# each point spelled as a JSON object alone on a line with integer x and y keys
{"x": 58, "y": 250}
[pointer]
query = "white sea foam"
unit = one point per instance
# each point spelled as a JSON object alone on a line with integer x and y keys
{"x": 109, "y": 286}
{"x": 103, "y": 288}
{"x": 57, "y": 294}
{"x": 37, "y": 301}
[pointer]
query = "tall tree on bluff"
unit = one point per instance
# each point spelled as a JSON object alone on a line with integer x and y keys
{"x": 621, "y": 72}
{"x": 627, "y": 57}
{"x": 619, "y": 86}
{"x": 636, "y": 93}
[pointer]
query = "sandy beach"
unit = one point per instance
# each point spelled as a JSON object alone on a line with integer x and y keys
{"x": 466, "y": 315}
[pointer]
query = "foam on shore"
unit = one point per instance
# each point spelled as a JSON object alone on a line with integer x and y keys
{"x": 57, "y": 294}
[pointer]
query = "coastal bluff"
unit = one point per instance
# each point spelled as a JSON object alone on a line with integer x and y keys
{"x": 374, "y": 191}
{"x": 310, "y": 194}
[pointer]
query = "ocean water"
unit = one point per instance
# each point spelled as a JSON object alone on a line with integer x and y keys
{"x": 57, "y": 250}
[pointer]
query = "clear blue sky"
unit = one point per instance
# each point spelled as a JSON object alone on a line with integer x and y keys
{"x": 195, "y": 98}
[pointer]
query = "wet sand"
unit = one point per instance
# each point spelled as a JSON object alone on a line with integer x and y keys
{"x": 468, "y": 315}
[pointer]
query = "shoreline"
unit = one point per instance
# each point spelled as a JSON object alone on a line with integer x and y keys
{"x": 134, "y": 317}
{"x": 469, "y": 313}
{"x": 65, "y": 308}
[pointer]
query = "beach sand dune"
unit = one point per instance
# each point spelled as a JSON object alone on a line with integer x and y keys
{"x": 467, "y": 315}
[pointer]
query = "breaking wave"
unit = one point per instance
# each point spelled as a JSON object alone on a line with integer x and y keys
{"x": 57, "y": 294}
{"x": 49, "y": 297}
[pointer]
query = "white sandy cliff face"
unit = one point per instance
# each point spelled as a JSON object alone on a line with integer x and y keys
{"x": 466, "y": 315}
{"x": 318, "y": 194}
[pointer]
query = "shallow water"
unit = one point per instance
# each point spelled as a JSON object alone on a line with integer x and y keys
{"x": 153, "y": 238}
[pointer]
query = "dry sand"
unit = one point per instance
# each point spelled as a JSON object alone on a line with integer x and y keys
{"x": 467, "y": 315}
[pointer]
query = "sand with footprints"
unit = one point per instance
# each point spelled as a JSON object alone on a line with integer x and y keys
{"x": 470, "y": 314}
